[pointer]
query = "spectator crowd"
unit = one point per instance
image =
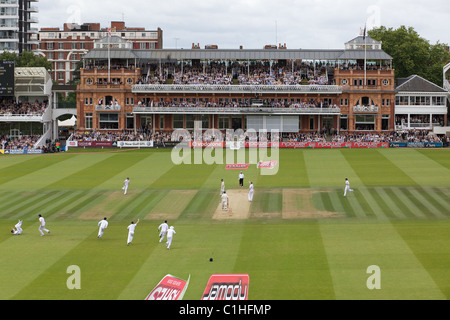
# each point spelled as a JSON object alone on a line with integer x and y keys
{"x": 13, "y": 108}
{"x": 145, "y": 134}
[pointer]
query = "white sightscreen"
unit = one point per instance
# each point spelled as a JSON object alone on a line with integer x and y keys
{"x": 281, "y": 123}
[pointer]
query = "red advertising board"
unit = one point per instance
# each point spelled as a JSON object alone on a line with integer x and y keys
{"x": 322, "y": 145}
{"x": 169, "y": 288}
{"x": 293, "y": 144}
{"x": 95, "y": 144}
{"x": 267, "y": 164}
{"x": 227, "y": 287}
{"x": 237, "y": 166}
{"x": 207, "y": 144}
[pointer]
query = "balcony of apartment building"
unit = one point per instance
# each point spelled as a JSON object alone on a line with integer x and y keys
{"x": 9, "y": 24}
{"x": 33, "y": 9}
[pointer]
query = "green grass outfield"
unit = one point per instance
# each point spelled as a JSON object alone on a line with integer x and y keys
{"x": 398, "y": 218}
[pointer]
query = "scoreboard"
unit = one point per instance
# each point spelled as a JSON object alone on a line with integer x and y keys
{"x": 6, "y": 78}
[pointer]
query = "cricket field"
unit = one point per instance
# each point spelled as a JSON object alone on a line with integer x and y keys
{"x": 300, "y": 238}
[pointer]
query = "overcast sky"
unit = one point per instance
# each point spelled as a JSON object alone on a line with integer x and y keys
{"x": 307, "y": 24}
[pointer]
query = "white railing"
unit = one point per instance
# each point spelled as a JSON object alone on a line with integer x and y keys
{"x": 237, "y": 110}
{"x": 108, "y": 107}
{"x": 365, "y": 109}
{"x": 41, "y": 142}
{"x": 424, "y": 126}
{"x": 7, "y": 117}
{"x": 167, "y": 88}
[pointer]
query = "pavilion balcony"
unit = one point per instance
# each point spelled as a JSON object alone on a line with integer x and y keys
{"x": 237, "y": 110}
{"x": 281, "y": 89}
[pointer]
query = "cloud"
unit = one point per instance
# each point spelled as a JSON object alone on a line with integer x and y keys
{"x": 313, "y": 24}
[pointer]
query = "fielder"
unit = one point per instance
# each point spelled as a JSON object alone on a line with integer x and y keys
{"x": 347, "y": 187}
{"x": 170, "y": 234}
{"x": 250, "y": 192}
{"x": 42, "y": 225}
{"x": 131, "y": 229}
{"x": 225, "y": 201}
{"x": 125, "y": 185}
{"x": 103, "y": 224}
{"x": 163, "y": 230}
{"x": 17, "y": 230}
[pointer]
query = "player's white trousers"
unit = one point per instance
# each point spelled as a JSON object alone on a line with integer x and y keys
{"x": 42, "y": 228}
{"x": 169, "y": 242}
{"x": 347, "y": 189}
{"x": 130, "y": 237}
{"x": 162, "y": 234}
{"x": 100, "y": 232}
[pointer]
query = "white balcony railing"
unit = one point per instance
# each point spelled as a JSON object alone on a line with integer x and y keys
{"x": 368, "y": 109}
{"x": 20, "y": 118}
{"x": 108, "y": 107}
{"x": 168, "y": 88}
{"x": 237, "y": 110}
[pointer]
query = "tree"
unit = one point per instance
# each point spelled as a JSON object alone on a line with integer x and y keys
{"x": 27, "y": 59}
{"x": 412, "y": 54}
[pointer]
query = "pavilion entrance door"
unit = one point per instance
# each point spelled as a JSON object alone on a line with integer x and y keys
{"x": 236, "y": 123}
{"x": 327, "y": 123}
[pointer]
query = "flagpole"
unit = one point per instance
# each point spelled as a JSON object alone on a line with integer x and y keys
{"x": 109, "y": 57}
{"x": 365, "y": 57}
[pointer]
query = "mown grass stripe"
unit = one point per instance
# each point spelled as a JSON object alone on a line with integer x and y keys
{"x": 444, "y": 204}
{"x": 95, "y": 174}
{"x": 201, "y": 205}
{"x": 326, "y": 203}
{"x": 32, "y": 165}
{"x": 381, "y": 202}
{"x": 362, "y": 197}
{"x": 142, "y": 210}
{"x": 374, "y": 169}
{"x": 82, "y": 203}
{"x": 415, "y": 204}
{"x": 394, "y": 203}
{"x": 445, "y": 196}
{"x": 23, "y": 204}
{"x": 424, "y": 201}
{"x": 348, "y": 209}
{"x": 413, "y": 210}
{"x": 128, "y": 206}
{"x": 82, "y": 207}
{"x": 68, "y": 198}
{"x": 4, "y": 195}
{"x": 372, "y": 203}
{"x": 14, "y": 197}
{"x": 440, "y": 156}
{"x": 353, "y": 200}
{"x": 335, "y": 201}
{"x": 267, "y": 201}
{"x": 39, "y": 206}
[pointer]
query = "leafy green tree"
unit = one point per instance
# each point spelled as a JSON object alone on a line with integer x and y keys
{"x": 27, "y": 59}
{"x": 412, "y": 54}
